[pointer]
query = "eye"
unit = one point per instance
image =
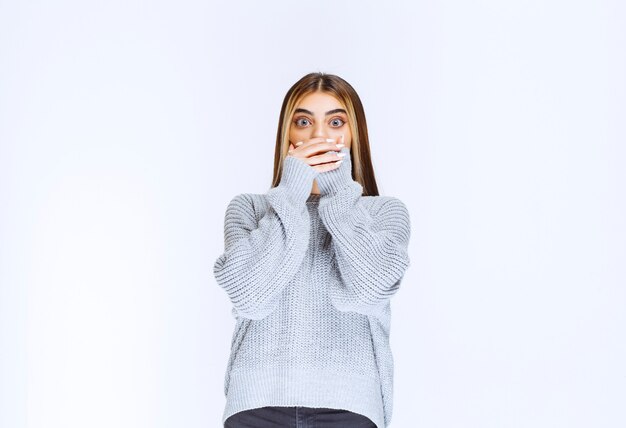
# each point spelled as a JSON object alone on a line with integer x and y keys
{"x": 338, "y": 119}
{"x": 299, "y": 120}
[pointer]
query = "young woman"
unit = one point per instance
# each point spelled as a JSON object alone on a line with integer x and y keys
{"x": 310, "y": 267}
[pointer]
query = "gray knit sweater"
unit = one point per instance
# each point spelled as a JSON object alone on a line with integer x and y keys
{"x": 310, "y": 278}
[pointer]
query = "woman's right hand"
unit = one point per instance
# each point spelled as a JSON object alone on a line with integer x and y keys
{"x": 320, "y": 152}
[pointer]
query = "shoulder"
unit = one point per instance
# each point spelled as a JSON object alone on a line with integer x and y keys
{"x": 381, "y": 205}
{"x": 243, "y": 207}
{"x": 248, "y": 204}
{"x": 391, "y": 214}
{"x": 247, "y": 199}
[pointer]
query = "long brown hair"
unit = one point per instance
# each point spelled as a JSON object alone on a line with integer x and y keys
{"x": 362, "y": 170}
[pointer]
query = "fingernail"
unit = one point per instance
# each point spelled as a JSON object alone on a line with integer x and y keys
{"x": 341, "y": 154}
{"x": 338, "y": 162}
{"x": 339, "y": 145}
{"x": 329, "y": 140}
{"x": 298, "y": 143}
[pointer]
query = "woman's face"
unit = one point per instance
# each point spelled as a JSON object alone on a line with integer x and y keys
{"x": 320, "y": 115}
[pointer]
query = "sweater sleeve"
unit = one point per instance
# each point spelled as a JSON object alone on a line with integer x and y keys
{"x": 370, "y": 246}
{"x": 261, "y": 257}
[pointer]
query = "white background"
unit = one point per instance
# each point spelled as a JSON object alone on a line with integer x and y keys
{"x": 127, "y": 126}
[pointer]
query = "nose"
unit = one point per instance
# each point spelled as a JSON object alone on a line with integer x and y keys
{"x": 318, "y": 130}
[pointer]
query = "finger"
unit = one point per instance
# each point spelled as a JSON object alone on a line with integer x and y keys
{"x": 328, "y": 166}
{"x": 315, "y": 140}
{"x": 320, "y": 149}
{"x": 330, "y": 156}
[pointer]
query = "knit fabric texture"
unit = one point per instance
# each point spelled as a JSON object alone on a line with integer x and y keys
{"x": 310, "y": 277}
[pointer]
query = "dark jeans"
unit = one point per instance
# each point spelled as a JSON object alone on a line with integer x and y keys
{"x": 297, "y": 417}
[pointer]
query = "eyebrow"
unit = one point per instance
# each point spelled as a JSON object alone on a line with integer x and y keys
{"x": 337, "y": 110}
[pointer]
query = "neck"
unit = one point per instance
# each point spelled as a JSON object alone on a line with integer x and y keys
{"x": 315, "y": 189}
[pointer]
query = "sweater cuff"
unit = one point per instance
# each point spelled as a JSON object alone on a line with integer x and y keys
{"x": 331, "y": 181}
{"x": 297, "y": 178}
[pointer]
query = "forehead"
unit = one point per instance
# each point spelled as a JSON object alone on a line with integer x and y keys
{"x": 319, "y": 102}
